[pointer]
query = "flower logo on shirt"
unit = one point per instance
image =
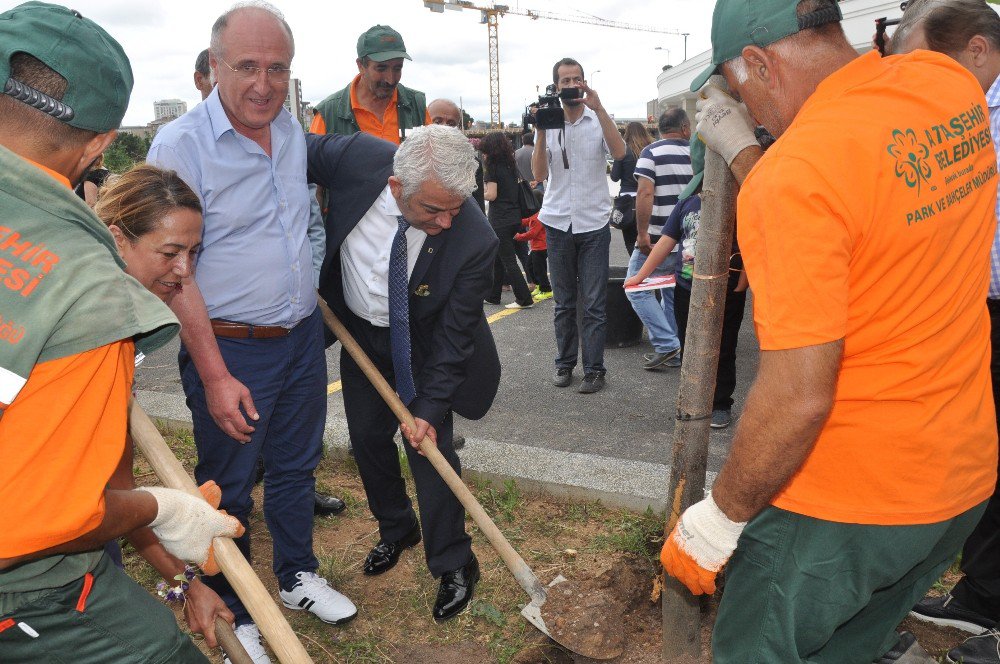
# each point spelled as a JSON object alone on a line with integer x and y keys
{"x": 910, "y": 155}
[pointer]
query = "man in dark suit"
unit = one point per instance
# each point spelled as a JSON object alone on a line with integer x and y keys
{"x": 408, "y": 261}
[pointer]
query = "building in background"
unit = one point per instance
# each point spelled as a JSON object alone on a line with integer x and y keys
{"x": 169, "y": 108}
{"x": 673, "y": 84}
{"x": 300, "y": 110}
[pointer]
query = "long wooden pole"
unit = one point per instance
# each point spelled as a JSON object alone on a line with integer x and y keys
{"x": 238, "y": 572}
{"x": 680, "y": 609}
{"x": 515, "y": 563}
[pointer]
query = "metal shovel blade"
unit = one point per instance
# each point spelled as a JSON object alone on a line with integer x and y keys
{"x": 575, "y": 620}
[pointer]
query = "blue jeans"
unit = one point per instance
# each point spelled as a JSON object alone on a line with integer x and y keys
{"x": 286, "y": 377}
{"x": 658, "y": 317}
{"x": 578, "y": 266}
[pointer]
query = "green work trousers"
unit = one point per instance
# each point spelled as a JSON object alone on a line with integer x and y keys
{"x": 115, "y": 620}
{"x": 800, "y": 589}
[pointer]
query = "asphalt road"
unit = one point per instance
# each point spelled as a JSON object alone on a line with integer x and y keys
{"x": 630, "y": 420}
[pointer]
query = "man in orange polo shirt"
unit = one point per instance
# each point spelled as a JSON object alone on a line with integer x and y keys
{"x": 375, "y": 102}
{"x": 71, "y": 322}
{"x": 868, "y": 445}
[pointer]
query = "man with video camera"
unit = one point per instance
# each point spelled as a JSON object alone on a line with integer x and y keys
{"x": 571, "y": 155}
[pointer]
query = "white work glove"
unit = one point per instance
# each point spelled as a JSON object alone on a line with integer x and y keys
{"x": 699, "y": 545}
{"x": 186, "y": 525}
{"x": 724, "y": 124}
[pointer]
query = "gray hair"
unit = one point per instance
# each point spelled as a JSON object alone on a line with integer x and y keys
{"x": 221, "y": 23}
{"x": 948, "y": 24}
{"x": 916, "y": 11}
{"x": 436, "y": 152}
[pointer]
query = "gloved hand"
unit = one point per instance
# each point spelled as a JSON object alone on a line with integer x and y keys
{"x": 699, "y": 545}
{"x": 186, "y": 525}
{"x": 724, "y": 124}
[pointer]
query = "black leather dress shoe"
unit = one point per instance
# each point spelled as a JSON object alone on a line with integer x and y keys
{"x": 324, "y": 505}
{"x": 385, "y": 555}
{"x": 456, "y": 591}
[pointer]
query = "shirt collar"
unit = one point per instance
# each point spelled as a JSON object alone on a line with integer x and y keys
{"x": 221, "y": 123}
{"x": 389, "y": 205}
{"x": 62, "y": 179}
{"x": 587, "y": 114}
{"x": 993, "y": 94}
{"x": 356, "y": 104}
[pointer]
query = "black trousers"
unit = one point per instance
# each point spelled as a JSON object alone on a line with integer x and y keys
{"x": 979, "y": 589}
{"x": 506, "y": 263}
{"x": 732, "y": 319}
{"x": 371, "y": 426}
{"x": 540, "y": 269}
{"x": 521, "y": 251}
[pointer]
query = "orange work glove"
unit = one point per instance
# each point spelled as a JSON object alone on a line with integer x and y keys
{"x": 699, "y": 546}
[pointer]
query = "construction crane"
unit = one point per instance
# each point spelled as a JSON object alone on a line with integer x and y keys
{"x": 490, "y": 16}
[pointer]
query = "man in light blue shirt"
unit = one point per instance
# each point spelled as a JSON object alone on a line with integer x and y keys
{"x": 252, "y": 359}
{"x": 969, "y": 32}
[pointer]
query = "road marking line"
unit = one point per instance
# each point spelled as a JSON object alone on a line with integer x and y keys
{"x": 336, "y": 386}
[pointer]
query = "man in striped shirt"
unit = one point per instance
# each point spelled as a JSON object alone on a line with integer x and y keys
{"x": 662, "y": 171}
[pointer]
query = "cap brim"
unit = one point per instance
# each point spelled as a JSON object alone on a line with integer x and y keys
{"x": 382, "y": 56}
{"x": 692, "y": 186}
{"x": 703, "y": 77}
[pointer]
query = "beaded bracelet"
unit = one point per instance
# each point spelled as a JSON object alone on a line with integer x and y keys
{"x": 177, "y": 593}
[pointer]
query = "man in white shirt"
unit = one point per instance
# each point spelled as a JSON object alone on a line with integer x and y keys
{"x": 575, "y": 214}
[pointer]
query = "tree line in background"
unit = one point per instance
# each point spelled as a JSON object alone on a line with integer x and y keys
{"x": 126, "y": 151}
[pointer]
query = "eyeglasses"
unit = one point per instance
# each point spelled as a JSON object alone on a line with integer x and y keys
{"x": 251, "y": 72}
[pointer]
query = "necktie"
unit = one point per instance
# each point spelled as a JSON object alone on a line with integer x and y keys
{"x": 399, "y": 315}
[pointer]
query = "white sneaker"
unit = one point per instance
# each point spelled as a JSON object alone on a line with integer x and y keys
{"x": 313, "y": 593}
{"x": 249, "y": 636}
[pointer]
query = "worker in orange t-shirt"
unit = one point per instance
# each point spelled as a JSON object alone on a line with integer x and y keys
{"x": 375, "y": 102}
{"x": 868, "y": 445}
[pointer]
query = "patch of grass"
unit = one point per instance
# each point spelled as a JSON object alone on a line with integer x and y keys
{"x": 501, "y": 504}
{"x": 488, "y": 612}
{"x": 641, "y": 534}
{"x": 335, "y": 568}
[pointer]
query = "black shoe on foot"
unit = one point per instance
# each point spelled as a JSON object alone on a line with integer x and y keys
{"x": 906, "y": 651}
{"x": 981, "y": 649}
{"x": 324, "y": 505}
{"x": 385, "y": 555}
{"x": 455, "y": 593}
{"x": 563, "y": 377}
{"x": 593, "y": 381}
{"x": 947, "y": 612}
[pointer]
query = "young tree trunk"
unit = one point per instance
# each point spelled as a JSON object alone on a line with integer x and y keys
{"x": 686, "y": 486}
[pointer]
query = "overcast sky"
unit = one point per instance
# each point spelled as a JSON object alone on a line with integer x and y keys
{"x": 449, "y": 50}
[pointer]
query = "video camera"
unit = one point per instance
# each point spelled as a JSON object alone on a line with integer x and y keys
{"x": 880, "y": 26}
{"x": 550, "y": 112}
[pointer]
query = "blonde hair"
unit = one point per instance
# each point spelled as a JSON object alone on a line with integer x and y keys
{"x": 139, "y": 199}
{"x": 637, "y": 137}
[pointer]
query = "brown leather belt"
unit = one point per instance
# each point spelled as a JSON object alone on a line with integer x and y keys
{"x": 233, "y": 330}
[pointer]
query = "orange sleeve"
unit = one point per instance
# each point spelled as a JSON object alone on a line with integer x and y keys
{"x": 427, "y": 117}
{"x": 797, "y": 252}
{"x": 318, "y": 125}
{"x": 60, "y": 442}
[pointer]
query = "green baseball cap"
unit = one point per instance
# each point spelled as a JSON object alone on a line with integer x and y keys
{"x": 697, "y": 166}
{"x": 96, "y": 69}
{"x": 381, "y": 43}
{"x": 740, "y": 23}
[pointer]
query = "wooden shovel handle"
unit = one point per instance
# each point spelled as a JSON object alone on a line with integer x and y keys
{"x": 522, "y": 573}
{"x": 237, "y": 570}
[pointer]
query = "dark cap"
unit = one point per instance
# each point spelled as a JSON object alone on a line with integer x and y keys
{"x": 737, "y": 24}
{"x": 96, "y": 69}
{"x": 381, "y": 43}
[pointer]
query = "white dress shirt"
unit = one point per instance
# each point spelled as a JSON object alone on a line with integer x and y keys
{"x": 364, "y": 259}
{"x": 577, "y": 198}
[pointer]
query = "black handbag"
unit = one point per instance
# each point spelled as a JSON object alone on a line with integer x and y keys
{"x": 526, "y": 200}
{"x": 622, "y": 214}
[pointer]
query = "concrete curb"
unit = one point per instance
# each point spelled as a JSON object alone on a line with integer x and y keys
{"x": 614, "y": 482}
